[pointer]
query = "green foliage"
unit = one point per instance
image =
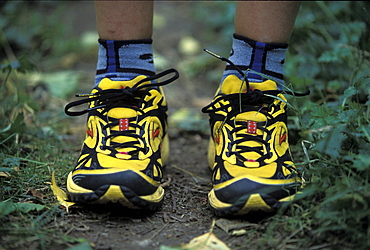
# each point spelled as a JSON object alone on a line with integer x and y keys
{"x": 332, "y": 59}
{"x": 82, "y": 246}
{"x": 16, "y": 103}
{"x": 7, "y": 207}
{"x": 33, "y": 29}
{"x": 30, "y": 146}
{"x": 341, "y": 41}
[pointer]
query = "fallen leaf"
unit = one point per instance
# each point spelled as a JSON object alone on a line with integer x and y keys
{"x": 207, "y": 241}
{"x": 234, "y": 227}
{"x": 60, "y": 194}
{"x": 4, "y": 174}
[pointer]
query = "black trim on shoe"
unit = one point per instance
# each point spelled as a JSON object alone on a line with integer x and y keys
{"x": 128, "y": 179}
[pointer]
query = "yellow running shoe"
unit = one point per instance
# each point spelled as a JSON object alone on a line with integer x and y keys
{"x": 126, "y": 143}
{"x": 249, "y": 151}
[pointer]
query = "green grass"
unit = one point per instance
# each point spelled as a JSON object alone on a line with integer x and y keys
{"x": 330, "y": 129}
{"x": 335, "y": 120}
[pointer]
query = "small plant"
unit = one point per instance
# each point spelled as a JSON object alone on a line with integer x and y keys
{"x": 332, "y": 59}
{"x": 29, "y": 147}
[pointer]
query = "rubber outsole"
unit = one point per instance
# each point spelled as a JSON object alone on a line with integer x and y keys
{"x": 115, "y": 194}
{"x": 254, "y": 203}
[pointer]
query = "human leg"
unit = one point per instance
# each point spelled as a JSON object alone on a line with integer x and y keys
{"x": 125, "y": 39}
{"x": 266, "y": 21}
{"x": 124, "y": 20}
{"x": 249, "y": 151}
{"x": 126, "y": 141}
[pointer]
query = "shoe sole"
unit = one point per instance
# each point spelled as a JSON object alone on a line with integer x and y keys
{"x": 119, "y": 194}
{"x": 246, "y": 204}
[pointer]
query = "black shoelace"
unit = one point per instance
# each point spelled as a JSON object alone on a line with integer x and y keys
{"x": 128, "y": 97}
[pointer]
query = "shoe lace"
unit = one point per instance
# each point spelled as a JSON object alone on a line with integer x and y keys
{"x": 128, "y": 97}
{"x": 237, "y": 103}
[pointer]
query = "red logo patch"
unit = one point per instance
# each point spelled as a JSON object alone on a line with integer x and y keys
{"x": 282, "y": 138}
{"x": 90, "y": 133}
{"x": 217, "y": 139}
{"x": 123, "y": 124}
{"x": 251, "y": 127}
{"x": 155, "y": 133}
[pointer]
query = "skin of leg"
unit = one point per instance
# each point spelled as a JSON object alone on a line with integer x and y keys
{"x": 124, "y": 20}
{"x": 266, "y": 21}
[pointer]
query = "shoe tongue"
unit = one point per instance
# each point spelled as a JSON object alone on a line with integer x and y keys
{"x": 233, "y": 85}
{"x": 251, "y": 116}
{"x": 120, "y": 113}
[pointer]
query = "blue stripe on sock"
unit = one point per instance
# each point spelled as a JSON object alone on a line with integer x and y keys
{"x": 257, "y": 60}
{"x": 111, "y": 58}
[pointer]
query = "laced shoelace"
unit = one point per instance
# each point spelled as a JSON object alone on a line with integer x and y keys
{"x": 128, "y": 97}
{"x": 251, "y": 100}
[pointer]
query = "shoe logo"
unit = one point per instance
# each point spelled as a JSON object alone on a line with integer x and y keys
{"x": 217, "y": 139}
{"x": 251, "y": 127}
{"x": 155, "y": 133}
{"x": 217, "y": 136}
{"x": 123, "y": 124}
{"x": 250, "y": 160}
{"x": 282, "y": 138}
{"x": 90, "y": 133}
{"x": 147, "y": 57}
